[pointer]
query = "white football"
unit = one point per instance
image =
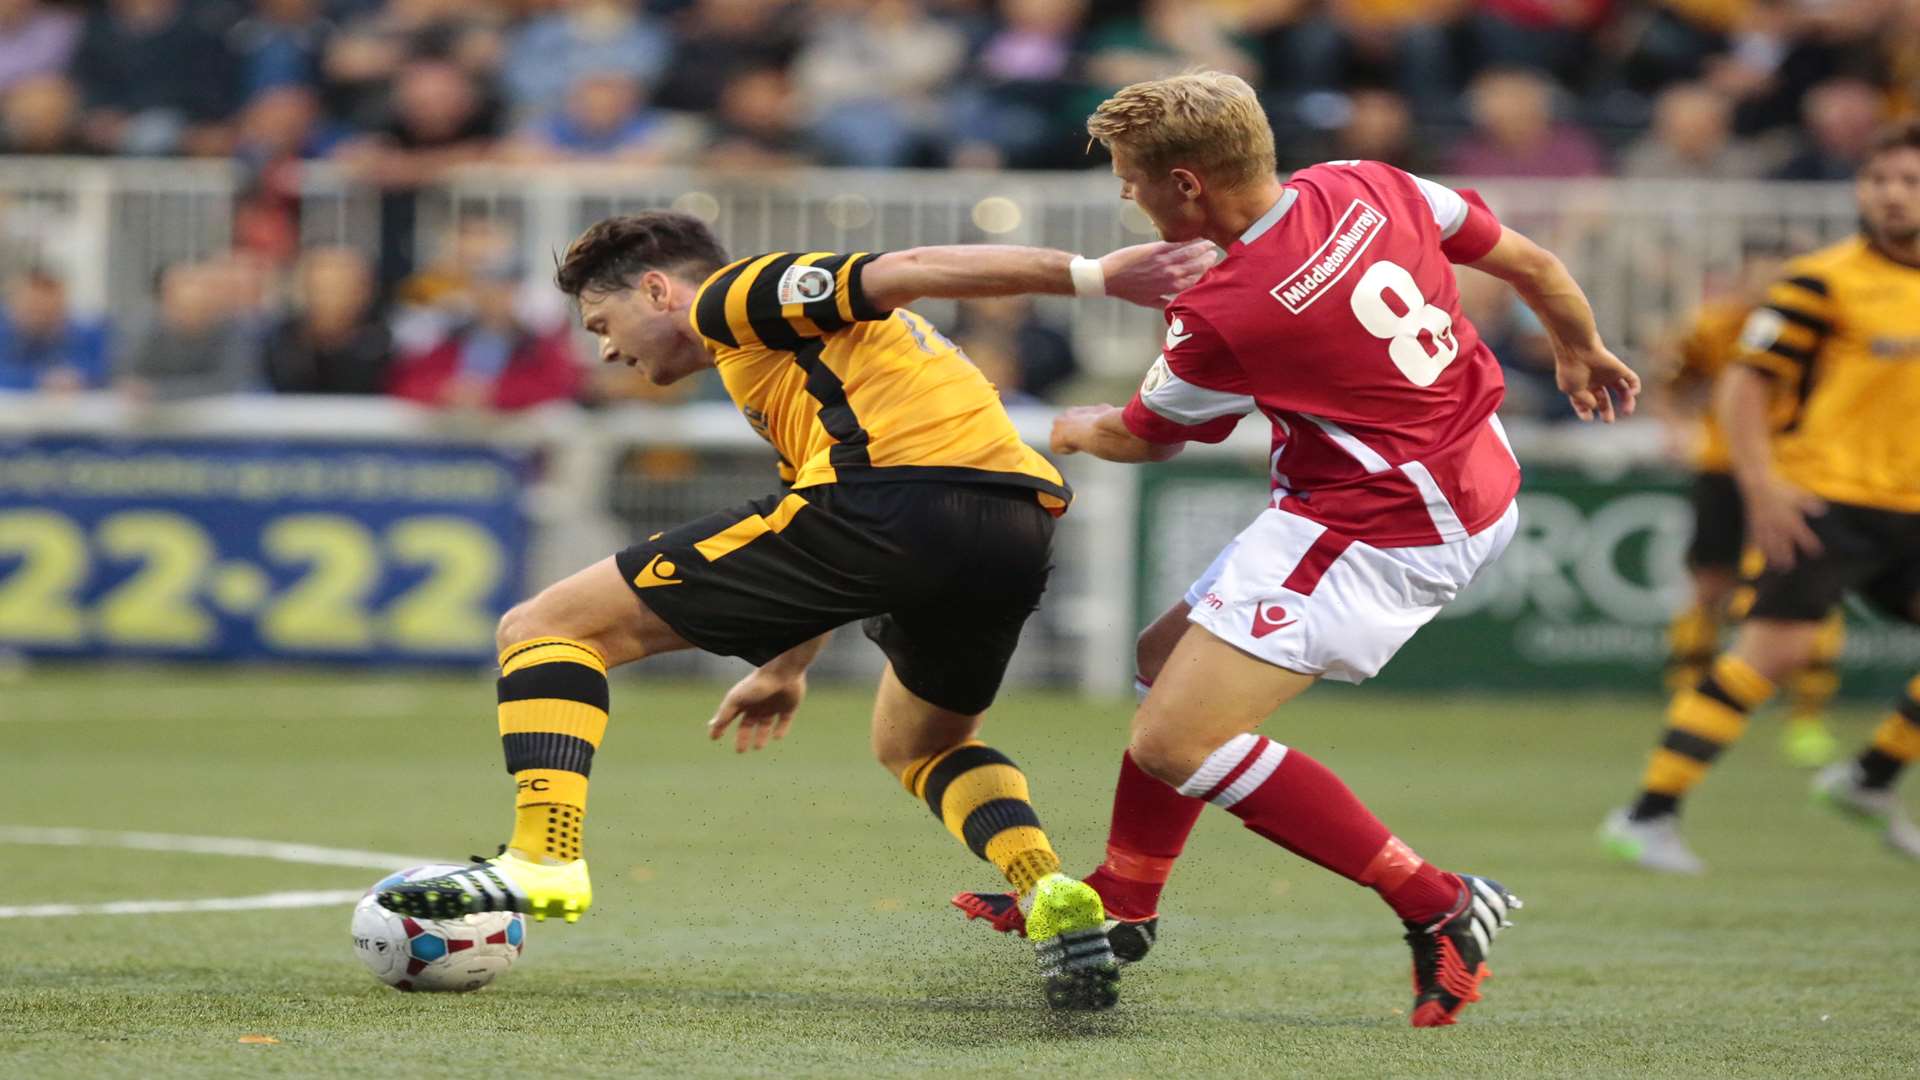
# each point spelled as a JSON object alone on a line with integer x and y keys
{"x": 459, "y": 954}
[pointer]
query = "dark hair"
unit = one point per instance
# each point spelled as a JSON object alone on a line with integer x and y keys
{"x": 1904, "y": 135}
{"x": 612, "y": 252}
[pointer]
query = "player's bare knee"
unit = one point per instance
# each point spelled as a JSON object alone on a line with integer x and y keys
{"x": 517, "y": 625}
{"x": 1776, "y": 648}
{"x": 895, "y": 750}
{"x": 1162, "y": 754}
{"x": 543, "y": 616}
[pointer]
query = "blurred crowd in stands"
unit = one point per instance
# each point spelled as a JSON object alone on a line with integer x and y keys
{"x": 401, "y": 91}
{"x": 472, "y": 330}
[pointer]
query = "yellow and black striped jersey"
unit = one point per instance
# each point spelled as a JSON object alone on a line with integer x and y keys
{"x": 1712, "y": 337}
{"x": 1841, "y": 331}
{"x": 848, "y": 393}
{"x": 1711, "y": 342}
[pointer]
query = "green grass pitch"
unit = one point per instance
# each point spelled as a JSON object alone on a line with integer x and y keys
{"x": 784, "y": 914}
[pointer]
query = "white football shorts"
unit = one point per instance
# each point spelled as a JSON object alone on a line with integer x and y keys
{"x": 1301, "y": 597}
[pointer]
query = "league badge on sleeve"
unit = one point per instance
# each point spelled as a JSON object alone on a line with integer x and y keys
{"x": 804, "y": 285}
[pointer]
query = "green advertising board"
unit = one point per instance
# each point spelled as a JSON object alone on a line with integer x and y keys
{"x": 1580, "y": 600}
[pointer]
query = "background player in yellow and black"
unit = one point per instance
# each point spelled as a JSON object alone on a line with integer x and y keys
{"x": 1832, "y": 500}
{"x": 910, "y": 505}
{"x": 1695, "y": 360}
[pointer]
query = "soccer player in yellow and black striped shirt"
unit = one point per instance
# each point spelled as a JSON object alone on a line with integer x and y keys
{"x": 910, "y": 505}
{"x": 1697, "y": 358}
{"x": 1833, "y": 504}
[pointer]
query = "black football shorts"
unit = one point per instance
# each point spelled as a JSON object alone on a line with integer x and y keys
{"x": 943, "y": 575}
{"x": 1719, "y": 522}
{"x": 1874, "y": 554}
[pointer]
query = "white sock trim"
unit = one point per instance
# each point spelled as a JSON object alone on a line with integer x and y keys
{"x": 1141, "y": 688}
{"x": 1219, "y": 764}
{"x": 1266, "y": 754}
{"x": 1248, "y": 782}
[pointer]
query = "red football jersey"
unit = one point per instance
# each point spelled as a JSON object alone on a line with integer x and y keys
{"x": 1336, "y": 316}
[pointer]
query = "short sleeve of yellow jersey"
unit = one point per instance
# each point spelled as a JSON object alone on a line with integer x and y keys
{"x": 1784, "y": 334}
{"x": 777, "y": 300}
{"x": 1695, "y": 352}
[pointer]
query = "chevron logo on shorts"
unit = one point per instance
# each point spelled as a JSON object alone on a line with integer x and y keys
{"x": 658, "y": 571}
{"x": 1270, "y": 617}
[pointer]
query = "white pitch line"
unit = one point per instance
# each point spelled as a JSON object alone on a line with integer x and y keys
{"x": 311, "y": 898}
{"x": 307, "y": 854}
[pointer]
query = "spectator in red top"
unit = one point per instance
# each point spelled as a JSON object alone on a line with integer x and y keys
{"x": 496, "y": 358}
{"x": 1515, "y": 133}
{"x": 1552, "y": 35}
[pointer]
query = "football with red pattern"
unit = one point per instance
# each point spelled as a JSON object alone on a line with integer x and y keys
{"x": 457, "y": 955}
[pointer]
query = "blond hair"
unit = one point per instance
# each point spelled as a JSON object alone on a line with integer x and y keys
{"x": 1208, "y": 121}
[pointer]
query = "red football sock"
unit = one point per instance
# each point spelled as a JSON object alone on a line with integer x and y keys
{"x": 1298, "y": 803}
{"x": 1151, "y": 822}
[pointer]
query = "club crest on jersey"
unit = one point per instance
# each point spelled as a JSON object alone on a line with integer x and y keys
{"x": 1357, "y": 228}
{"x": 1762, "y": 329}
{"x": 804, "y": 285}
{"x": 1157, "y": 376}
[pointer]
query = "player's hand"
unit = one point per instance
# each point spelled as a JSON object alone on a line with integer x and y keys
{"x": 1593, "y": 378}
{"x": 1152, "y": 274}
{"x": 1074, "y": 429}
{"x": 1777, "y": 514}
{"x": 762, "y": 705}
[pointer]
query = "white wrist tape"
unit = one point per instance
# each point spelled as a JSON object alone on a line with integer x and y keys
{"x": 1088, "y": 278}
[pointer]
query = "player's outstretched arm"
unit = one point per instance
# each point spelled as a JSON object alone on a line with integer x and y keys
{"x": 1100, "y": 431}
{"x": 1144, "y": 274}
{"x": 1777, "y": 511}
{"x": 1586, "y": 371}
{"x": 764, "y": 701}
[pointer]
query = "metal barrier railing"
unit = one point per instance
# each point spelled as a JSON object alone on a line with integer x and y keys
{"x": 1644, "y": 250}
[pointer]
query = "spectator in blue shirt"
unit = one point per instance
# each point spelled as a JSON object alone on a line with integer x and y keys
{"x": 604, "y": 118}
{"x": 279, "y": 44}
{"x": 546, "y": 53}
{"x": 42, "y": 347}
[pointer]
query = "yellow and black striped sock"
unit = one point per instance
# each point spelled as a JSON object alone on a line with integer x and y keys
{"x": 1701, "y": 723}
{"x": 1810, "y": 690}
{"x": 1692, "y": 639}
{"x": 981, "y": 796}
{"x": 1896, "y": 742}
{"x": 553, "y": 714}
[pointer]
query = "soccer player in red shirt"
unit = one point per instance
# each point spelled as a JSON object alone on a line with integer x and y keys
{"x": 1334, "y": 315}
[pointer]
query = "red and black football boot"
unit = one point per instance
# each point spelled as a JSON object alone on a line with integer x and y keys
{"x": 1129, "y": 938}
{"x": 1450, "y": 956}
